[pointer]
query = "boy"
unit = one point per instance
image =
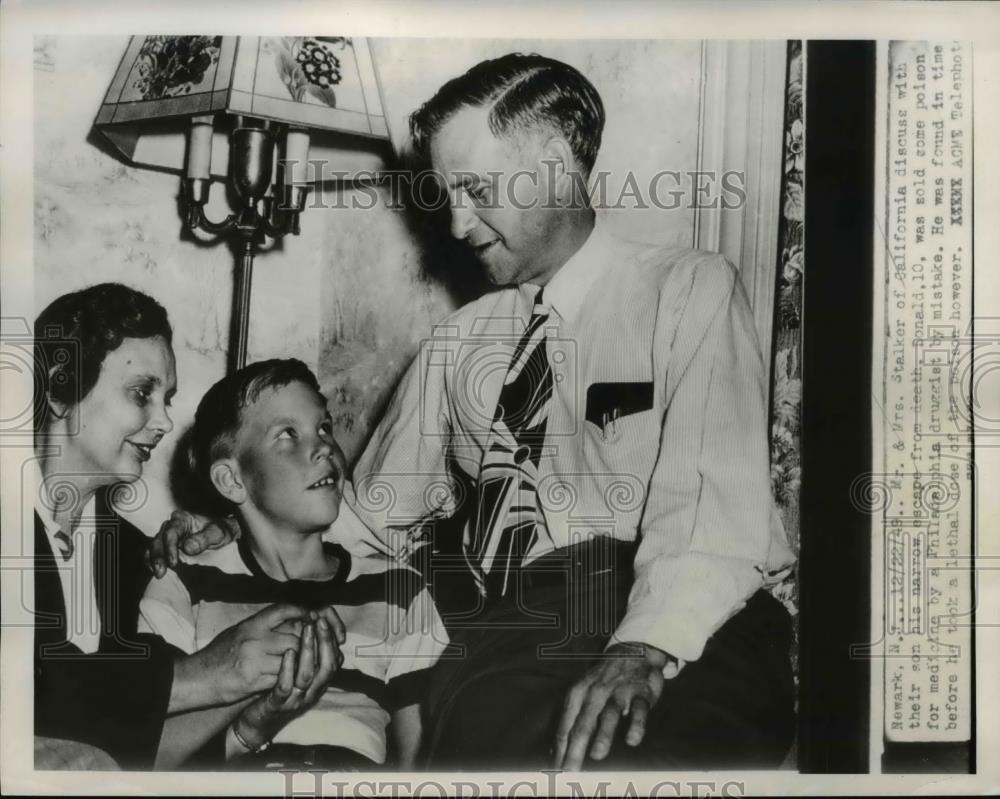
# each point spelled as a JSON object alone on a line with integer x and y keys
{"x": 262, "y": 446}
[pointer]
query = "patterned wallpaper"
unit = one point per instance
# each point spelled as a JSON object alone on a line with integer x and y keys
{"x": 786, "y": 470}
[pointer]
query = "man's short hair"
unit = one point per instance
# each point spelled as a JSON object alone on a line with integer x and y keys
{"x": 522, "y": 92}
{"x": 218, "y": 420}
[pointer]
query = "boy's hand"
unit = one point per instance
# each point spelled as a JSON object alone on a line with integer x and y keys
{"x": 191, "y": 534}
{"x": 327, "y": 613}
{"x": 301, "y": 681}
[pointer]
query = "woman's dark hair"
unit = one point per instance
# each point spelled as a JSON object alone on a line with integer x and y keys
{"x": 75, "y": 333}
{"x": 522, "y": 92}
{"x": 218, "y": 419}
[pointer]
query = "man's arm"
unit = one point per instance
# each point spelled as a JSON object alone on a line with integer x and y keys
{"x": 705, "y": 531}
{"x": 402, "y": 479}
{"x": 706, "y": 527}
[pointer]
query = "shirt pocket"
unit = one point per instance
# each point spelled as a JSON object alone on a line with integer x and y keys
{"x": 609, "y": 402}
{"x": 621, "y": 435}
{"x": 617, "y": 461}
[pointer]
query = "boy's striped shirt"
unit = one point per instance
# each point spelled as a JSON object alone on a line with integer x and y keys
{"x": 394, "y": 634}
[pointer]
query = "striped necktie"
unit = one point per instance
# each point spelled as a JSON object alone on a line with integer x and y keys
{"x": 65, "y": 545}
{"x": 504, "y": 527}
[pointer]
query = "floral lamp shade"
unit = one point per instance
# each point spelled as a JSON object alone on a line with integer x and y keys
{"x": 325, "y": 84}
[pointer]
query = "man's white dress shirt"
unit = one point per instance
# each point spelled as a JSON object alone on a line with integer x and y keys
{"x": 657, "y": 430}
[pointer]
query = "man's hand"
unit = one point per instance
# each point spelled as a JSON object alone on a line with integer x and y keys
{"x": 191, "y": 534}
{"x": 301, "y": 681}
{"x": 626, "y": 682}
{"x": 242, "y": 660}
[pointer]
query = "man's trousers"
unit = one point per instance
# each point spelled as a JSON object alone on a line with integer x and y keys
{"x": 495, "y": 704}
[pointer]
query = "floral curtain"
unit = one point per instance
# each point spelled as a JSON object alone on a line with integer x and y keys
{"x": 786, "y": 465}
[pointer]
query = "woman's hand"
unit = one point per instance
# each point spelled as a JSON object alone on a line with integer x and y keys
{"x": 301, "y": 681}
{"x": 242, "y": 660}
{"x": 185, "y": 532}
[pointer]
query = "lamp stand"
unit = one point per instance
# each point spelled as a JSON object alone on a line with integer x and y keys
{"x": 252, "y": 144}
{"x": 239, "y": 328}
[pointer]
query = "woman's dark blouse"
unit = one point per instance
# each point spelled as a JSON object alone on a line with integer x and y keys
{"x": 116, "y": 698}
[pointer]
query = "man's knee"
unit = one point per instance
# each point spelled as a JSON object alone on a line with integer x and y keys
{"x": 733, "y": 707}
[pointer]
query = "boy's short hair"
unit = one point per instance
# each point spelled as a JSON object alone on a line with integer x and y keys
{"x": 219, "y": 416}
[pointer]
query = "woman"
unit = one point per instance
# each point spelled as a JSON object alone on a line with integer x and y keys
{"x": 104, "y": 378}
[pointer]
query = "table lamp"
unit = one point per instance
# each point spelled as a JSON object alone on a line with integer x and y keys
{"x": 271, "y": 116}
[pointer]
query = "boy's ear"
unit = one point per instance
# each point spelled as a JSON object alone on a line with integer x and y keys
{"x": 226, "y": 478}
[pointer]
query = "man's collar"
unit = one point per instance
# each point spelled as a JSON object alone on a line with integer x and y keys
{"x": 565, "y": 292}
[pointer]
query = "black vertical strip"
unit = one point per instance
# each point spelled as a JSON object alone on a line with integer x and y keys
{"x": 835, "y": 563}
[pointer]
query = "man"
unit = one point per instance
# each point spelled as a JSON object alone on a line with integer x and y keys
{"x": 607, "y": 411}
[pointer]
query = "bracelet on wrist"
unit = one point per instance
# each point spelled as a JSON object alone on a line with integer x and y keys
{"x": 245, "y": 743}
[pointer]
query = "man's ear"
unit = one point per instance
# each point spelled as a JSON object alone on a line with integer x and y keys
{"x": 561, "y": 172}
{"x": 228, "y": 481}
